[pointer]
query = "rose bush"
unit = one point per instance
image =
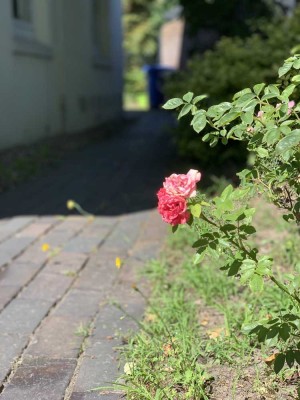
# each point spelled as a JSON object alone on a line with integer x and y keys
{"x": 266, "y": 118}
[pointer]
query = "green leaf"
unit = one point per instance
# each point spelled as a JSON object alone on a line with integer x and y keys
{"x": 199, "y": 98}
{"x": 289, "y": 141}
{"x": 297, "y": 356}
{"x": 196, "y": 210}
{"x": 272, "y": 136}
{"x": 288, "y": 91}
{"x": 258, "y": 88}
{"x": 284, "y": 69}
{"x": 279, "y": 363}
{"x": 185, "y": 110}
{"x": 290, "y": 358}
{"x": 188, "y": 97}
{"x": 199, "y": 121}
{"x": 273, "y": 89}
{"x": 250, "y": 106}
{"x": 296, "y": 64}
{"x": 173, "y": 103}
{"x": 241, "y": 93}
{"x": 247, "y": 118}
{"x": 262, "y": 153}
{"x": 256, "y": 283}
{"x": 174, "y": 228}
{"x": 284, "y": 332}
{"x": 218, "y": 110}
{"x": 296, "y": 78}
{"x": 203, "y": 242}
{"x": 227, "y": 192}
{"x": 234, "y": 268}
{"x": 249, "y": 229}
{"x": 268, "y": 96}
{"x": 227, "y": 118}
{"x": 245, "y": 99}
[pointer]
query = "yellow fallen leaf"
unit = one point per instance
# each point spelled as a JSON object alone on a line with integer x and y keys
{"x": 128, "y": 368}
{"x": 167, "y": 349}
{"x": 217, "y": 332}
{"x": 204, "y": 322}
{"x": 150, "y": 317}
{"x": 118, "y": 262}
{"x": 269, "y": 360}
{"x": 45, "y": 247}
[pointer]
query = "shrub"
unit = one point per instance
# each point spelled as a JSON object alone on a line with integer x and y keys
{"x": 266, "y": 118}
{"x": 233, "y": 64}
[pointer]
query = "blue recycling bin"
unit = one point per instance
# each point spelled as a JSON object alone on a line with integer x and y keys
{"x": 156, "y": 75}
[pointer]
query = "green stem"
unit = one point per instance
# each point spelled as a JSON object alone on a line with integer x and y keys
{"x": 236, "y": 244}
{"x": 284, "y": 289}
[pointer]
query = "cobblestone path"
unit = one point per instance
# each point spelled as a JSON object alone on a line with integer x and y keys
{"x": 59, "y": 328}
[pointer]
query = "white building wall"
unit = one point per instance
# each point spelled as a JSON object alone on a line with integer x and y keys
{"x": 53, "y": 81}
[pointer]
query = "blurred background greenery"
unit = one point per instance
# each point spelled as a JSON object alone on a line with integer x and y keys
{"x": 251, "y": 40}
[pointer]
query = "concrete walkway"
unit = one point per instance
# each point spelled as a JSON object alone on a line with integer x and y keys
{"x": 58, "y": 326}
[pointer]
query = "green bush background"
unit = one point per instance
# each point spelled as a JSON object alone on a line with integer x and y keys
{"x": 233, "y": 64}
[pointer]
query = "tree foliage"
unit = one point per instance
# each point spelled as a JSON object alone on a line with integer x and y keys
{"x": 142, "y": 20}
{"x": 229, "y": 19}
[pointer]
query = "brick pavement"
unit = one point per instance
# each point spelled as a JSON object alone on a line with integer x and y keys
{"x": 46, "y": 297}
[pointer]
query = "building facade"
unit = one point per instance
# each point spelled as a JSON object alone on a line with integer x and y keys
{"x": 60, "y": 67}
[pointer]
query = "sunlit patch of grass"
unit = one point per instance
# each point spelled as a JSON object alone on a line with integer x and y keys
{"x": 194, "y": 323}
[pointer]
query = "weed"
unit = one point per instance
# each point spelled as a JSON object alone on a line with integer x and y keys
{"x": 83, "y": 330}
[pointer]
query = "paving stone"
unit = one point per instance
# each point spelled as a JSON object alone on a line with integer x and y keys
{"x": 35, "y": 229}
{"x": 11, "y": 346}
{"x": 63, "y": 231}
{"x": 13, "y": 225}
{"x": 56, "y": 339}
{"x": 80, "y": 305}
{"x": 125, "y": 233}
{"x": 66, "y": 263}
{"x": 12, "y": 247}
{"x": 18, "y": 274}
{"x": 6, "y": 294}
{"x": 83, "y": 244}
{"x": 129, "y": 272}
{"x": 97, "y": 371}
{"x": 97, "y": 395}
{"x": 23, "y": 315}
{"x": 40, "y": 380}
{"x": 154, "y": 228}
{"x": 47, "y": 287}
{"x": 33, "y": 254}
{"x": 99, "y": 279}
{"x": 99, "y": 366}
{"x": 146, "y": 250}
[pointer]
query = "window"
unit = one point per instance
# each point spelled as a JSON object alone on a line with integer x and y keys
{"x": 22, "y": 10}
{"x": 22, "y": 16}
{"x": 101, "y": 30}
{"x": 31, "y": 28}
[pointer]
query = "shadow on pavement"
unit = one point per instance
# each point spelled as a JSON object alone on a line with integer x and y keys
{"x": 120, "y": 174}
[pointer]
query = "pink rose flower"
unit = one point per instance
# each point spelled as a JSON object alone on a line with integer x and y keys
{"x": 183, "y": 184}
{"x": 260, "y": 114}
{"x": 172, "y": 208}
{"x": 291, "y": 104}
